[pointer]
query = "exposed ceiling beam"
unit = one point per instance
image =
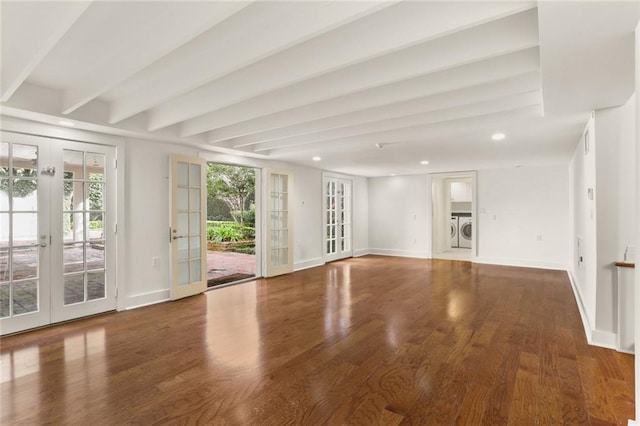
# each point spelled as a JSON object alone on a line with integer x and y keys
{"x": 493, "y": 69}
{"x": 367, "y": 38}
{"x": 172, "y": 25}
{"x": 507, "y": 103}
{"x": 262, "y": 29}
{"x": 508, "y": 35}
{"x": 29, "y": 31}
{"x": 522, "y": 83}
{"x": 417, "y": 134}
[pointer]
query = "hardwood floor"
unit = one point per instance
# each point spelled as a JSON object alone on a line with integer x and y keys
{"x": 372, "y": 340}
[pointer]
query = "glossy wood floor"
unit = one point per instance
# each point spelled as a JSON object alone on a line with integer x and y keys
{"x": 372, "y": 340}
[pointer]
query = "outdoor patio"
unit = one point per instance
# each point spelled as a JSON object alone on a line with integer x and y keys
{"x": 226, "y": 266}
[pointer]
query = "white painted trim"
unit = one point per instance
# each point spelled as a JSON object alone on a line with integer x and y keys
{"x": 146, "y": 299}
{"x": 604, "y": 339}
{"x": 419, "y": 254}
{"x": 583, "y": 313}
{"x": 306, "y": 264}
{"x": 523, "y": 263}
{"x": 632, "y": 423}
{"x": 361, "y": 252}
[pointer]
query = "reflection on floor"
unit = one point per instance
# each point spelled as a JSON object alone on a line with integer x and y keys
{"x": 454, "y": 254}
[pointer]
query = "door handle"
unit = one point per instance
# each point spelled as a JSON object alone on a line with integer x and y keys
{"x": 43, "y": 244}
{"x": 175, "y": 237}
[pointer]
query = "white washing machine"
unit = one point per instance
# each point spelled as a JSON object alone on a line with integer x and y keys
{"x": 454, "y": 231}
{"x": 464, "y": 231}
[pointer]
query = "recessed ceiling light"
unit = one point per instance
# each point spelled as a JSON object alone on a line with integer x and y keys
{"x": 424, "y": 162}
{"x": 66, "y": 123}
{"x": 498, "y": 136}
{"x": 392, "y": 174}
{"x": 316, "y": 158}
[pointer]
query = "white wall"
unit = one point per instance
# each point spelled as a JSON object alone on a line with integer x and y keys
{"x": 605, "y": 224}
{"x": 523, "y": 216}
{"x": 615, "y": 203}
{"x": 147, "y": 215}
{"x": 583, "y": 237}
{"x": 526, "y": 202}
{"x": 360, "y": 216}
{"x": 399, "y": 211}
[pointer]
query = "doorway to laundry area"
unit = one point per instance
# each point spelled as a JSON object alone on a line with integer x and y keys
{"x": 453, "y": 234}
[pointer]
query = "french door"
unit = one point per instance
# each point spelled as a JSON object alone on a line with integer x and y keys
{"x": 279, "y": 224}
{"x": 57, "y": 231}
{"x": 337, "y": 217}
{"x": 188, "y": 226}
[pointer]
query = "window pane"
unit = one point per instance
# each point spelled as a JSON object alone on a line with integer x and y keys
{"x": 25, "y": 228}
{"x": 95, "y": 285}
{"x": 4, "y": 230}
{"x": 73, "y": 255}
{"x": 183, "y": 249}
{"x": 183, "y": 174}
{"x": 73, "y": 196}
{"x": 183, "y": 223}
{"x": 194, "y": 223}
{"x": 25, "y": 194}
{"x": 4, "y": 158}
{"x": 73, "y": 226}
{"x": 195, "y": 270}
{"x": 5, "y": 295}
{"x": 25, "y": 160}
{"x": 183, "y": 273}
{"x": 194, "y": 175}
{"x": 95, "y": 166}
{"x": 95, "y": 196}
{"x": 24, "y": 263}
{"x": 183, "y": 199}
{"x": 73, "y": 164}
{"x": 194, "y": 199}
{"x": 73, "y": 289}
{"x": 4, "y": 264}
{"x": 96, "y": 226}
{"x": 25, "y": 297}
{"x": 95, "y": 255}
{"x": 194, "y": 246}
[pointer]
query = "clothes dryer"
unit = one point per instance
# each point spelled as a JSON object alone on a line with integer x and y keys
{"x": 464, "y": 232}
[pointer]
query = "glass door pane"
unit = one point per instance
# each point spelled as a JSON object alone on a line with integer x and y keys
{"x": 24, "y": 234}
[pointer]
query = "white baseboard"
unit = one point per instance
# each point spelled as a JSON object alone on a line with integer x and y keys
{"x": 604, "y": 339}
{"x": 146, "y": 299}
{"x": 420, "y": 254}
{"x": 361, "y": 252}
{"x": 632, "y": 423}
{"x": 523, "y": 263}
{"x": 306, "y": 264}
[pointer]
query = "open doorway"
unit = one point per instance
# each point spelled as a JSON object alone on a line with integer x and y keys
{"x": 453, "y": 234}
{"x": 231, "y": 223}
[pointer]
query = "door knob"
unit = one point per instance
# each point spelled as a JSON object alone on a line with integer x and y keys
{"x": 175, "y": 237}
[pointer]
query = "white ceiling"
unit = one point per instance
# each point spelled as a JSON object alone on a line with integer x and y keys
{"x": 287, "y": 80}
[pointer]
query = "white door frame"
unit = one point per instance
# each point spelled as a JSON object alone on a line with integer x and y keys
{"x": 42, "y": 130}
{"x": 474, "y": 213}
{"x": 340, "y": 254}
